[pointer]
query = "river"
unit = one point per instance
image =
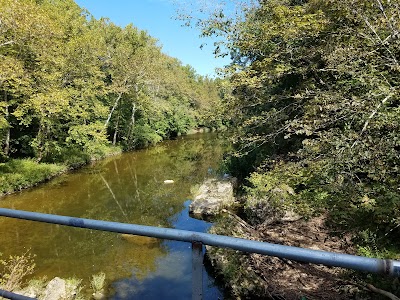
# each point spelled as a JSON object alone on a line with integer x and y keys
{"x": 126, "y": 188}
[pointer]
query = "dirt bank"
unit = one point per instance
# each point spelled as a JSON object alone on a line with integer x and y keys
{"x": 255, "y": 276}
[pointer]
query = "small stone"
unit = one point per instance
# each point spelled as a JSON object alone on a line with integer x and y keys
{"x": 139, "y": 240}
{"x": 98, "y": 296}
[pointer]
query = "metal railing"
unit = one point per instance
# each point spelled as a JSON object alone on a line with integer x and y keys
{"x": 13, "y": 296}
{"x": 360, "y": 263}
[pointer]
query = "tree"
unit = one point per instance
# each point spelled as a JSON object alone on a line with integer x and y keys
{"x": 24, "y": 33}
{"x": 315, "y": 98}
{"x": 69, "y": 84}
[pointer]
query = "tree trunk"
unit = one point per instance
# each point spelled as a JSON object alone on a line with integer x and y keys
{"x": 42, "y": 135}
{"x": 112, "y": 109}
{"x": 133, "y": 114}
{"x": 115, "y": 132}
{"x": 7, "y": 138}
{"x": 132, "y": 121}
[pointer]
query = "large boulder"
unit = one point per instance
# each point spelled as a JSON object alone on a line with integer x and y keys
{"x": 55, "y": 289}
{"x": 213, "y": 196}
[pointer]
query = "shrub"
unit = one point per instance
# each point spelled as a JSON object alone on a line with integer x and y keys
{"x": 18, "y": 174}
{"x": 14, "y": 270}
{"x": 97, "y": 282}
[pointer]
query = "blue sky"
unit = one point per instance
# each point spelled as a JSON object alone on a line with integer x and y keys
{"x": 157, "y": 17}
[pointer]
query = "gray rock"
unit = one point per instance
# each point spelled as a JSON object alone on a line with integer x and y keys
{"x": 55, "y": 289}
{"x": 99, "y": 296}
{"x": 212, "y": 196}
{"x": 272, "y": 208}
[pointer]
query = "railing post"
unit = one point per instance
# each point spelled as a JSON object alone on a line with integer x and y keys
{"x": 197, "y": 271}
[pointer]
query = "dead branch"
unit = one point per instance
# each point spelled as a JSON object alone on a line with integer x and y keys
{"x": 7, "y": 43}
{"x": 382, "y": 292}
{"x": 370, "y": 288}
{"x": 374, "y": 112}
{"x": 242, "y": 223}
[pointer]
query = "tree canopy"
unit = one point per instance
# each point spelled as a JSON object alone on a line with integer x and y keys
{"x": 315, "y": 96}
{"x": 70, "y": 85}
{"x": 316, "y": 111}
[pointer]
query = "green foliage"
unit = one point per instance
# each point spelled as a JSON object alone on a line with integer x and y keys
{"x": 18, "y": 174}
{"x": 315, "y": 104}
{"x": 145, "y": 135}
{"x": 38, "y": 286}
{"x": 71, "y": 84}
{"x": 241, "y": 279}
{"x": 74, "y": 289}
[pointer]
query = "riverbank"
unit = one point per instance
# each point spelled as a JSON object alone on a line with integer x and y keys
{"x": 255, "y": 276}
{"x": 24, "y": 173}
{"x": 15, "y": 270}
{"x": 20, "y": 174}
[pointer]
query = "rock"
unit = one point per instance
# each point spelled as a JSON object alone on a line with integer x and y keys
{"x": 139, "y": 240}
{"x": 193, "y": 131}
{"x": 55, "y": 289}
{"x": 290, "y": 216}
{"x": 99, "y": 295}
{"x": 272, "y": 208}
{"x": 212, "y": 196}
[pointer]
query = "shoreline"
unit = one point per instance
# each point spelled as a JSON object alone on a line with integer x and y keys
{"x": 44, "y": 171}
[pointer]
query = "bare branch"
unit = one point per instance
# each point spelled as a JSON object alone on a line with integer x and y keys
{"x": 370, "y": 117}
{"x": 112, "y": 109}
{"x": 382, "y": 292}
{"x": 386, "y": 17}
{"x": 7, "y": 43}
{"x": 374, "y": 112}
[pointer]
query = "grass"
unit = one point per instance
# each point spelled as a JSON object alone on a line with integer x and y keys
{"x": 97, "y": 282}
{"x": 18, "y": 174}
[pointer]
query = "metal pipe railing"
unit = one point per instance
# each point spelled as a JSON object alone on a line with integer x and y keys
{"x": 14, "y": 296}
{"x": 365, "y": 264}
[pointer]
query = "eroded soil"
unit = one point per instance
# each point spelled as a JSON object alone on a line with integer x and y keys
{"x": 277, "y": 278}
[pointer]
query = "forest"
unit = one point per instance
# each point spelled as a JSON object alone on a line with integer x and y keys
{"x": 74, "y": 88}
{"x": 311, "y": 98}
{"x": 315, "y": 100}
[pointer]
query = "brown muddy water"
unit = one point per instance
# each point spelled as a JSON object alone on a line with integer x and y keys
{"x": 126, "y": 188}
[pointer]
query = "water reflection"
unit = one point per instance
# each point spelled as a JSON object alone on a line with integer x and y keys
{"x": 172, "y": 278}
{"x": 128, "y": 188}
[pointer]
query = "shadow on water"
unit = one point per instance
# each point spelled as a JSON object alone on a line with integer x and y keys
{"x": 173, "y": 276}
{"x": 127, "y": 188}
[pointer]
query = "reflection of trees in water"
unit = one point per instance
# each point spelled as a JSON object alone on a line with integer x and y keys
{"x": 133, "y": 185}
{"x": 96, "y": 251}
{"x": 127, "y": 188}
{"x": 172, "y": 279}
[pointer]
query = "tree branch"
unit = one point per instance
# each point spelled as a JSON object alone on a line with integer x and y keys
{"x": 373, "y": 113}
{"x": 112, "y": 109}
{"x": 370, "y": 117}
{"x": 7, "y": 43}
{"x": 382, "y": 292}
